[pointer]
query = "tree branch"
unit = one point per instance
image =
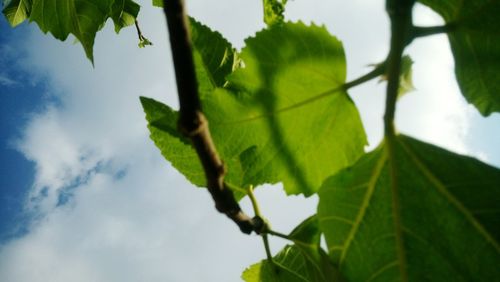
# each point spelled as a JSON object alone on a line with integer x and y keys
{"x": 192, "y": 123}
{"x": 401, "y": 25}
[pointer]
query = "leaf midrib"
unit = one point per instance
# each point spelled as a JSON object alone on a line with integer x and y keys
{"x": 366, "y": 201}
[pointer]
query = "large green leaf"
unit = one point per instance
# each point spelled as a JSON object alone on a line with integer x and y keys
{"x": 476, "y": 47}
{"x": 82, "y": 18}
{"x": 272, "y": 111}
{"x": 410, "y": 211}
{"x": 262, "y": 131}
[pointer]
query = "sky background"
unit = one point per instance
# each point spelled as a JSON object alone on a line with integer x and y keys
{"x": 86, "y": 196}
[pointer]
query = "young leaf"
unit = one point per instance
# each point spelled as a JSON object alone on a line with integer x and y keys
{"x": 286, "y": 109}
{"x": 413, "y": 212}
{"x": 475, "y": 43}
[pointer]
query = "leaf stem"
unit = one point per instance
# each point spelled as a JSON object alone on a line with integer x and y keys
{"x": 255, "y": 204}
{"x": 269, "y": 255}
{"x": 142, "y": 39}
{"x": 378, "y": 71}
{"x": 265, "y": 226}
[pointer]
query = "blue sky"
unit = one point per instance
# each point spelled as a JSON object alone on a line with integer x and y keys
{"x": 85, "y": 195}
{"x": 18, "y": 101}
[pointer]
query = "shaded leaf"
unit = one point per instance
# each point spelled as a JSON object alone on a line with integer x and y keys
{"x": 410, "y": 211}
{"x": 475, "y": 43}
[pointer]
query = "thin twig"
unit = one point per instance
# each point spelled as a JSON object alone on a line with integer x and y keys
{"x": 192, "y": 123}
{"x": 421, "y": 31}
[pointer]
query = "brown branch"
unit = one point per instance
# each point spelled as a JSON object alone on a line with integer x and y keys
{"x": 193, "y": 124}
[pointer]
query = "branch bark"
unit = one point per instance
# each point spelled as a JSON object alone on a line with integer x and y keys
{"x": 193, "y": 124}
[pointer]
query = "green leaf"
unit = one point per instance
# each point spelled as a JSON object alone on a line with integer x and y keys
{"x": 258, "y": 140}
{"x": 273, "y": 11}
{"x": 16, "y": 11}
{"x": 290, "y": 265}
{"x": 124, "y": 13}
{"x": 284, "y": 114}
{"x": 78, "y": 17}
{"x": 410, "y": 211}
{"x": 81, "y": 18}
{"x": 475, "y": 43}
